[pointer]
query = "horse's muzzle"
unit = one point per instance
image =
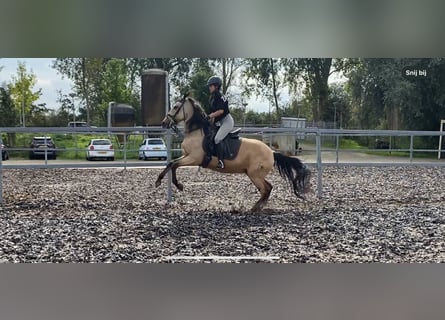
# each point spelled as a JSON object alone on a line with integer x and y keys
{"x": 166, "y": 123}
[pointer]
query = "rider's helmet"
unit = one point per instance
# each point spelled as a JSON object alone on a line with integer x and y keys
{"x": 214, "y": 80}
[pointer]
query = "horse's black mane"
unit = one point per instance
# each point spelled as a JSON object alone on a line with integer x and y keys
{"x": 198, "y": 119}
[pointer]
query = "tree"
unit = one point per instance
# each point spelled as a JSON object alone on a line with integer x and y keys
{"x": 7, "y": 109}
{"x": 367, "y": 97}
{"x": 197, "y": 84}
{"x": 179, "y": 69}
{"x": 384, "y": 97}
{"x": 23, "y": 96}
{"x": 421, "y": 99}
{"x": 115, "y": 86}
{"x": 315, "y": 73}
{"x": 339, "y": 106}
{"x": 227, "y": 69}
{"x": 265, "y": 74}
{"x": 86, "y": 74}
{"x": 9, "y": 113}
{"x": 65, "y": 113}
{"x": 298, "y": 108}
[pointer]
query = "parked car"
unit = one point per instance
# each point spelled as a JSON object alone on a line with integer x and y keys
{"x": 5, "y": 153}
{"x": 39, "y": 145}
{"x": 77, "y": 124}
{"x": 80, "y": 124}
{"x": 100, "y": 148}
{"x": 153, "y": 148}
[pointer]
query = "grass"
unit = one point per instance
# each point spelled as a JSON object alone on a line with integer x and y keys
{"x": 344, "y": 144}
{"x": 65, "y": 142}
{"x": 351, "y": 144}
{"x": 71, "y": 141}
{"x": 423, "y": 155}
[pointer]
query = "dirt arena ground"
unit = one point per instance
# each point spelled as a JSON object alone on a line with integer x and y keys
{"x": 114, "y": 215}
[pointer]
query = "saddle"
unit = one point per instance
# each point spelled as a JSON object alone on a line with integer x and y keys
{"x": 230, "y": 145}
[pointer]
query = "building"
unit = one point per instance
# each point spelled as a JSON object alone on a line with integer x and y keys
{"x": 287, "y": 143}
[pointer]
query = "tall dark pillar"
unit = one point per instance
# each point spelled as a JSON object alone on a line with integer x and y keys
{"x": 154, "y": 96}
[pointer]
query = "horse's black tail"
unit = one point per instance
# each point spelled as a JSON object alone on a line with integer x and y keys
{"x": 294, "y": 171}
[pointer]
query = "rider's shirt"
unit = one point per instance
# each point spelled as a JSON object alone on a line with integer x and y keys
{"x": 219, "y": 102}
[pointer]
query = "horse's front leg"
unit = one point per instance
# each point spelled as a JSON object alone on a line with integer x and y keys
{"x": 178, "y": 185}
{"x": 180, "y": 162}
{"x": 163, "y": 173}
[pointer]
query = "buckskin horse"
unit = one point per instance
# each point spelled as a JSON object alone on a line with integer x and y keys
{"x": 243, "y": 155}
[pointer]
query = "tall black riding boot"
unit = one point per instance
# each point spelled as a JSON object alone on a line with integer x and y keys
{"x": 219, "y": 152}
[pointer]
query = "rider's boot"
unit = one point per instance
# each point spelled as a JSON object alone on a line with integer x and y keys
{"x": 219, "y": 151}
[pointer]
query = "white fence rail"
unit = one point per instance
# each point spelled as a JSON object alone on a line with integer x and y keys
{"x": 315, "y": 151}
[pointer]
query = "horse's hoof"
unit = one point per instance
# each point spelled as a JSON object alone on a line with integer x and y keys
{"x": 157, "y": 183}
{"x": 180, "y": 186}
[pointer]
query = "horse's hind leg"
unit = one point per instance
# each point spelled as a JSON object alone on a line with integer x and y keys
{"x": 265, "y": 188}
{"x": 269, "y": 188}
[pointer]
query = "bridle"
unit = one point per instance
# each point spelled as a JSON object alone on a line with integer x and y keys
{"x": 172, "y": 118}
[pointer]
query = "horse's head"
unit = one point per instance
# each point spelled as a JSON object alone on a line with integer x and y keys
{"x": 176, "y": 114}
{"x": 189, "y": 111}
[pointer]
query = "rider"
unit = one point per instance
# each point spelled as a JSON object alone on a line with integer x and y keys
{"x": 220, "y": 114}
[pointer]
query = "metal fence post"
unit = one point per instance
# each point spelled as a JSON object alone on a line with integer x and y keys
{"x": 1, "y": 176}
{"x": 319, "y": 166}
{"x": 46, "y": 150}
{"x": 77, "y": 147}
{"x": 169, "y": 174}
{"x": 411, "y": 148}
{"x": 125, "y": 152}
{"x": 337, "y": 145}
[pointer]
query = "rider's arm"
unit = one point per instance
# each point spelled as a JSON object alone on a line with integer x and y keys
{"x": 219, "y": 104}
{"x": 216, "y": 114}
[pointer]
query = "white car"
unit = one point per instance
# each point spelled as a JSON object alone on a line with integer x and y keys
{"x": 100, "y": 148}
{"x": 152, "y": 148}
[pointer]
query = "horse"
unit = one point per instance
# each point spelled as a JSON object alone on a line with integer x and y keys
{"x": 254, "y": 158}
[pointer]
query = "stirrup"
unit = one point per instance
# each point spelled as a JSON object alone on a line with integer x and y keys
{"x": 220, "y": 164}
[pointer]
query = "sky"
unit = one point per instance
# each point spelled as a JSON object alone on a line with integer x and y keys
{"x": 48, "y": 78}
{"x": 50, "y": 81}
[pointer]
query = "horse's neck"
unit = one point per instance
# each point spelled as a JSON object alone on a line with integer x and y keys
{"x": 193, "y": 134}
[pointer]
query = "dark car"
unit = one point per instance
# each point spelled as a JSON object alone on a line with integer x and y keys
{"x": 78, "y": 124}
{"x": 381, "y": 144}
{"x": 39, "y": 145}
{"x": 5, "y": 154}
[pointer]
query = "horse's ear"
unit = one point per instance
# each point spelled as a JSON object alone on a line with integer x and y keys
{"x": 186, "y": 94}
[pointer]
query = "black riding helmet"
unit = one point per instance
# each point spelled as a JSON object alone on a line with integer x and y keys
{"x": 214, "y": 80}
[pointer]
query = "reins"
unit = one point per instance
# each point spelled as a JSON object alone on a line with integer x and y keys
{"x": 173, "y": 118}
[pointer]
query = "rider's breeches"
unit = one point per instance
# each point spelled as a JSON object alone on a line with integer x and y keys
{"x": 227, "y": 124}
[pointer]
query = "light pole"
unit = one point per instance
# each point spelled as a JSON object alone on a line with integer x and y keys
{"x": 72, "y": 95}
{"x": 244, "y": 112}
{"x": 335, "y": 116}
{"x": 23, "y": 106}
